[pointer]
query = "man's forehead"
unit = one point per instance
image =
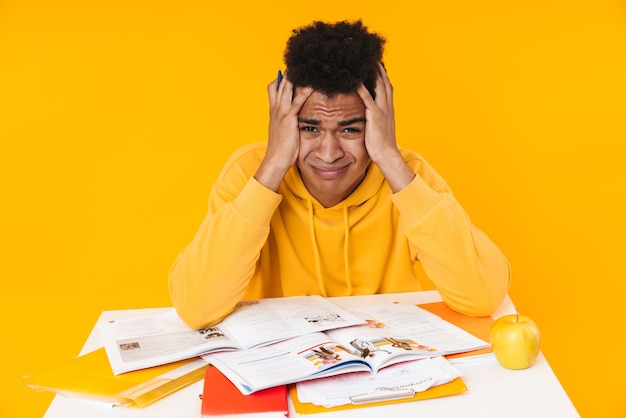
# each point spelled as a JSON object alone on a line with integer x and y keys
{"x": 326, "y": 95}
{"x": 341, "y": 106}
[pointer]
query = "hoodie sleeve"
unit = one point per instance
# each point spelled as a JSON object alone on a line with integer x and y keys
{"x": 212, "y": 273}
{"x": 469, "y": 270}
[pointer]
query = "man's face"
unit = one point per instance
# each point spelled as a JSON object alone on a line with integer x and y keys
{"x": 332, "y": 158}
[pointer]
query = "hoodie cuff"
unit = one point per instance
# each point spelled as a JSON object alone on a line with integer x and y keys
{"x": 256, "y": 203}
{"x": 416, "y": 201}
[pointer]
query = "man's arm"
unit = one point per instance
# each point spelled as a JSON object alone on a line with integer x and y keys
{"x": 284, "y": 136}
{"x": 213, "y": 272}
{"x": 380, "y": 133}
{"x": 469, "y": 271}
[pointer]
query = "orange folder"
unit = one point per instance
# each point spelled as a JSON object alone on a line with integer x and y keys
{"x": 478, "y": 326}
{"x": 455, "y": 387}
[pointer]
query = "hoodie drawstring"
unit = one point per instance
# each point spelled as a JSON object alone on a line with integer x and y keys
{"x": 316, "y": 253}
{"x": 346, "y": 227}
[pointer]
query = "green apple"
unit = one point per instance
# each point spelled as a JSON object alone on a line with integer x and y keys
{"x": 515, "y": 340}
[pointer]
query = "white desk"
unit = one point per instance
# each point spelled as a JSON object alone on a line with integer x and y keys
{"x": 493, "y": 390}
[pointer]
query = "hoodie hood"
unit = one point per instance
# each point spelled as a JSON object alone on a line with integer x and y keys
{"x": 368, "y": 189}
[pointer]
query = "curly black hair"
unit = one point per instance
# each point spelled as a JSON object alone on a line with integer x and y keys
{"x": 334, "y": 57}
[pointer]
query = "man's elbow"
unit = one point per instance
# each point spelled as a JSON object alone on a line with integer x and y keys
{"x": 486, "y": 305}
{"x": 199, "y": 318}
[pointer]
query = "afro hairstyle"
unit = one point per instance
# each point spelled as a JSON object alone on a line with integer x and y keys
{"x": 334, "y": 57}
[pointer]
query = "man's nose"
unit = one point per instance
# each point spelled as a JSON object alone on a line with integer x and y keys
{"x": 329, "y": 148}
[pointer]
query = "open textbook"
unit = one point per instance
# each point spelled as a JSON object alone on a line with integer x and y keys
{"x": 392, "y": 333}
{"x": 137, "y": 343}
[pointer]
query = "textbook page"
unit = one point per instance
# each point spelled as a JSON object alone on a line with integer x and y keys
{"x": 137, "y": 343}
{"x": 408, "y": 327}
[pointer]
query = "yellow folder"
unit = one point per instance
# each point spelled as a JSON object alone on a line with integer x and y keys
{"x": 90, "y": 377}
{"x": 455, "y": 387}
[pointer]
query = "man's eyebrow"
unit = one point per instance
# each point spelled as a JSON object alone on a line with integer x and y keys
{"x": 309, "y": 121}
{"x": 340, "y": 123}
{"x": 351, "y": 121}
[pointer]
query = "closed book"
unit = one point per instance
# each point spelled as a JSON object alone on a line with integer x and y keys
{"x": 220, "y": 398}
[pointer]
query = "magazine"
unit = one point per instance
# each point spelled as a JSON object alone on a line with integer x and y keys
{"x": 392, "y": 333}
{"x": 137, "y": 343}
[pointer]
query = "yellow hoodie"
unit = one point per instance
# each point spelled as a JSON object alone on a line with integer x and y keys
{"x": 255, "y": 243}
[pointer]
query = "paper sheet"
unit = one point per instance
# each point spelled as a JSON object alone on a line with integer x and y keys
{"x": 418, "y": 375}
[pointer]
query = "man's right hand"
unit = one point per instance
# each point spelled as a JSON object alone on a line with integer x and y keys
{"x": 284, "y": 135}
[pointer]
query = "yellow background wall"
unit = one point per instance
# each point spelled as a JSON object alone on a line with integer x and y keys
{"x": 115, "y": 117}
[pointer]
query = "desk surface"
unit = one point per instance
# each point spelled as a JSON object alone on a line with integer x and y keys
{"x": 493, "y": 390}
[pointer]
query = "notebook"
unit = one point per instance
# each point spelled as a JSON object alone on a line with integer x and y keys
{"x": 220, "y": 398}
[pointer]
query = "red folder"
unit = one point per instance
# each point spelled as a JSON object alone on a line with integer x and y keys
{"x": 221, "y": 398}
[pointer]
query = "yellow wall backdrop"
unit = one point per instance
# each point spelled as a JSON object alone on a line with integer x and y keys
{"x": 116, "y": 116}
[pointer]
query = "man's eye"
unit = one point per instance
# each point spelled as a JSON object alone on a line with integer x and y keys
{"x": 308, "y": 128}
{"x": 350, "y": 131}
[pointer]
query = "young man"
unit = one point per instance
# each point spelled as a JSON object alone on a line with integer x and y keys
{"x": 330, "y": 205}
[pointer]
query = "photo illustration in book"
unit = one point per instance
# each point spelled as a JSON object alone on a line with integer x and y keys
{"x": 324, "y": 355}
{"x": 375, "y": 338}
{"x": 324, "y": 319}
{"x": 210, "y": 333}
